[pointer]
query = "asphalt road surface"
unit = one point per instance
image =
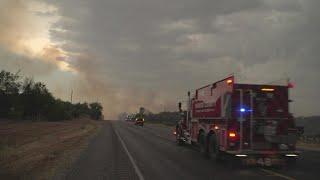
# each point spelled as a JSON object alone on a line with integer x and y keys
{"x": 125, "y": 151}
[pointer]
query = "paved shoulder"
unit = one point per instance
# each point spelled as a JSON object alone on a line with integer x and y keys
{"x": 105, "y": 158}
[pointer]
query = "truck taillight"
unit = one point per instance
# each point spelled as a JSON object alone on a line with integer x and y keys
{"x": 267, "y": 89}
{"x": 232, "y": 134}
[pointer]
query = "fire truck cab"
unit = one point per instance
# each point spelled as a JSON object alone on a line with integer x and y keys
{"x": 247, "y": 121}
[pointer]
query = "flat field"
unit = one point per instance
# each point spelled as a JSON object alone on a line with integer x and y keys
{"x": 36, "y": 150}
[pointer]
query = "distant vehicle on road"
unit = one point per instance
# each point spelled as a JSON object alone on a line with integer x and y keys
{"x": 249, "y": 122}
{"x": 130, "y": 118}
{"x": 139, "y": 121}
{"x": 139, "y": 118}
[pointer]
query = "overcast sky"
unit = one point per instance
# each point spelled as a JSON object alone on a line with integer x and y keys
{"x": 132, "y": 53}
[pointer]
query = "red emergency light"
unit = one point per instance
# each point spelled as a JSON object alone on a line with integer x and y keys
{"x": 290, "y": 85}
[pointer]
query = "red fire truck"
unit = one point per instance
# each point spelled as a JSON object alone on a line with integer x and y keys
{"x": 249, "y": 122}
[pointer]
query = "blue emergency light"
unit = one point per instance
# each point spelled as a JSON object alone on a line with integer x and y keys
{"x": 243, "y": 110}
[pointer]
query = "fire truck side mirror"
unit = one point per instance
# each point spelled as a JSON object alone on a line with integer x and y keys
{"x": 179, "y": 105}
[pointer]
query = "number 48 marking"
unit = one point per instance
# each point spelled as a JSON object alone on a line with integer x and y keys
{"x": 264, "y": 161}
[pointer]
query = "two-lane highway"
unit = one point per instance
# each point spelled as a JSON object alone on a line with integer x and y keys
{"x": 125, "y": 151}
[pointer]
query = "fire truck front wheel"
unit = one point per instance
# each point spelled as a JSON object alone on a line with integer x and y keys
{"x": 179, "y": 135}
{"x": 179, "y": 141}
{"x": 291, "y": 162}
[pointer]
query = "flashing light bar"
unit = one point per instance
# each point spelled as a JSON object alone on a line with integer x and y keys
{"x": 267, "y": 89}
{"x": 245, "y": 110}
{"x": 291, "y": 155}
{"x": 229, "y": 81}
{"x": 290, "y": 85}
{"x": 241, "y": 155}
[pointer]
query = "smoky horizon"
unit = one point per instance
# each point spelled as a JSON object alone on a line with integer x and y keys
{"x": 128, "y": 54}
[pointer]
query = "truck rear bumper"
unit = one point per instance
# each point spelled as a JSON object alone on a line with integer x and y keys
{"x": 139, "y": 123}
{"x": 265, "y": 152}
{"x": 264, "y": 158}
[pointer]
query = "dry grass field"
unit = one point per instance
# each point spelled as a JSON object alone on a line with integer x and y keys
{"x": 36, "y": 150}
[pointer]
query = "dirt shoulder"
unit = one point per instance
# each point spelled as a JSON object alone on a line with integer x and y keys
{"x": 308, "y": 146}
{"x": 36, "y": 150}
{"x": 160, "y": 124}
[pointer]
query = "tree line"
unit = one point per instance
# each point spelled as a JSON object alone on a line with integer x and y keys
{"x": 167, "y": 118}
{"x": 24, "y": 99}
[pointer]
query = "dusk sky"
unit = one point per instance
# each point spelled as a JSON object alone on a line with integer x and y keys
{"x": 131, "y": 53}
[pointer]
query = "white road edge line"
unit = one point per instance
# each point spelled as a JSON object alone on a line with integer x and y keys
{"x": 277, "y": 174}
{"x": 136, "y": 169}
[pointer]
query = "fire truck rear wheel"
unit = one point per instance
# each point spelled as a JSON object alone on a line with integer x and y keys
{"x": 202, "y": 144}
{"x": 213, "y": 148}
{"x": 291, "y": 162}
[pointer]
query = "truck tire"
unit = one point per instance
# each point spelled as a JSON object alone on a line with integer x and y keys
{"x": 291, "y": 162}
{"x": 178, "y": 140}
{"x": 203, "y": 144}
{"x": 178, "y": 136}
{"x": 213, "y": 148}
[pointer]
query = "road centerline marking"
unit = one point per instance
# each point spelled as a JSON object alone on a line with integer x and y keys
{"x": 277, "y": 174}
{"x": 136, "y": 169}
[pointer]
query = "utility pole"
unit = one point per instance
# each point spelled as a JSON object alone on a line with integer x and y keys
{"x": 188, "y": 113}
{"x": 71, "y": 96}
